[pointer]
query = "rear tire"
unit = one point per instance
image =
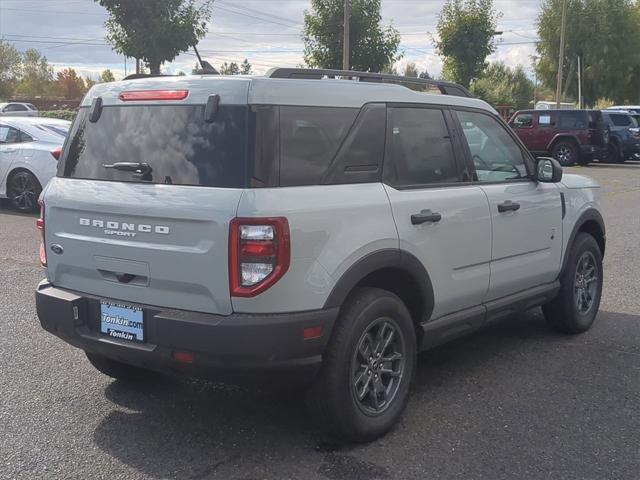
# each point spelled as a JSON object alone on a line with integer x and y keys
{"x": 363, "y": 386}
{"x": 576, "y": 307}
{"x": 614, "y": 154}
{"x": 119, "y": 370}
{"x": 23, "y": 191}
{"x": 566, "y": 153}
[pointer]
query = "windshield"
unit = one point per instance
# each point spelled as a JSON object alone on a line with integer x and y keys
{"x": 172, "y": 144}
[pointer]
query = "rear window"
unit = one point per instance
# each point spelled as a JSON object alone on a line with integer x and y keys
{"x": 60, "y": 130}
{"x": 174, "y": 141}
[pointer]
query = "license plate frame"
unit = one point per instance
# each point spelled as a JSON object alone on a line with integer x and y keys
{"x": 121, "y": 321}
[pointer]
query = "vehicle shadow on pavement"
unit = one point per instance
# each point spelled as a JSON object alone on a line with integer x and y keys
{"x": 7, "y": 209}
{"x": 184, "y": 428}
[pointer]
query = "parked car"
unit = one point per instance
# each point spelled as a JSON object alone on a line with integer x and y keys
{"x": 569, "y": 136}
{"x": 29, "y": 153}
{"x": 299, "y": 222}
{"x": 18, "y": 109}
{"x": 624, "y": 136}
{"x": 633, "y": 109}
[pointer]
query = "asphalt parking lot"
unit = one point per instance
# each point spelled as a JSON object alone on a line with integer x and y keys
{"x": 515, "y": 401}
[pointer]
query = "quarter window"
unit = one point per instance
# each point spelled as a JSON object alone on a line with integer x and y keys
{"x": 309, "y": 139}
{"x": 496, "y": 156}
{"x": 573, "y": 120}
{"x": 419, "y": 148}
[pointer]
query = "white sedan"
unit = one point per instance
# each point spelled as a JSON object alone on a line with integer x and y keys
{"x": 29, "y": 151}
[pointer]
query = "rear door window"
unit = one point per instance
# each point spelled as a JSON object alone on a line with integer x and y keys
{"x": 175, "y": 142}
{"x": 419, "y": 149}
{"x": 619, "y": 120}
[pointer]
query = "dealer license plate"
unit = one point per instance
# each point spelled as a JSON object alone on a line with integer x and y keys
{"x": 122, "y": 321}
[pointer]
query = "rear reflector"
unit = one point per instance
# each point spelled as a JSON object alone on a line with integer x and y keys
{"x": 183, "y": 357}
{"x": 142, "y": 95}
{"x": 56, "y": 152}
{"x": 40, "y": 226}
{"x": 311, "y": 333}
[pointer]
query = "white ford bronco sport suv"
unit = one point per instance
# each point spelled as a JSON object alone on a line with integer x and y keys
{"x": 327, "y": 221}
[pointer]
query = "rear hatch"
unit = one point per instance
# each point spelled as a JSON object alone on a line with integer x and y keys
{"x": 155, "y": 231}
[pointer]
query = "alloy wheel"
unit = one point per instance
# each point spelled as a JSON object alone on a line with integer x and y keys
{"x": 586, "y": 283}
{"x": 378, "y": 366}
{"x": 564, "y": 155}
{"x": 23, "y": 191}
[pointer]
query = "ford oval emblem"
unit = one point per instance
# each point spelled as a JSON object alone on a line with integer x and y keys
{"x": 57, "y": 249}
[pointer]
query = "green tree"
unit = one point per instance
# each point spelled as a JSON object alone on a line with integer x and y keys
{"x": 501, "y": 85}
{"x": 155, "y": 31}
{"x": 70, "y": 84}
{"x": 245, "y": 68}
{"x": 410, "y": 70}
{"x": 466, "y": 30}
{"x": 89, "y": 82}
{"x": 10, "y": 68}
{"x": 37, "y": 74}
{"x": 106, "y": 76}
{"x": 229, "y": 68}
{"x": 606, "y": 35}
{"x": 372, "y": 46}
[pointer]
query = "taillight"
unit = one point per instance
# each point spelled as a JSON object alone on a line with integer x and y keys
{"x": 259, "y": 254}
{"x": 56, "y": 152}
{"x": 40, "y": 226}
{"x": 152, "y": 95}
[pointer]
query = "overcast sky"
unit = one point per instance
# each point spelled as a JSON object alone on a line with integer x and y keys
{"x": 267, "y": 32}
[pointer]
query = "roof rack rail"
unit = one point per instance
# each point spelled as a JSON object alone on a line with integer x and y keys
{"x": 133, "y": 76}
{"x": 446, "y": 88}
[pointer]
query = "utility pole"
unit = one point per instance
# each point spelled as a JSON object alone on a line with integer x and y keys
{"x": 345, "y": 40}
{"x": 561, "y": 59}
{"x": 579, "y": 82}
{"x": 137, "y": 66}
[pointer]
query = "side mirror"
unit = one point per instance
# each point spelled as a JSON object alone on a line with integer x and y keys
{"x": 548, "y": 170}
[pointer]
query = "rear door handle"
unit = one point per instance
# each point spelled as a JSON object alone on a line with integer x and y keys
{"x": 425, "y": 216}
{"x": 508, "y": 206}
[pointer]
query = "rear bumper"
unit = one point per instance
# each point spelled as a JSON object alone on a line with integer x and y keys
{"x": 218, "y": 343}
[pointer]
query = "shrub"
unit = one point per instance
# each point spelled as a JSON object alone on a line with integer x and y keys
{"x": 61, "y": 114}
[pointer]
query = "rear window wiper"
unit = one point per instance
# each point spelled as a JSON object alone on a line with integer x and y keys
{"x": 142, "y": 170}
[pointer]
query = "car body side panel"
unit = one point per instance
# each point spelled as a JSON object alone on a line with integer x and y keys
{"x": 578, "y": 201}
{"x": 332, "y": 227}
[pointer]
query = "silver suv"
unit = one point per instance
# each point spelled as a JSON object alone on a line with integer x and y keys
{"x": 334, "y": 223}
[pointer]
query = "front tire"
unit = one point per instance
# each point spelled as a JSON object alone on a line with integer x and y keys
{"x": 23, "y": 190}
{"x": 119, "y": 370}
{"x": 363, "y": 386}
{"x": 566, "y": 153}
{"x": 576, "y": 307}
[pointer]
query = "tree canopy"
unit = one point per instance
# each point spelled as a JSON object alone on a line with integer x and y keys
{"x": 233, "y": 68}
{"x": 501, "y": 85}
{"x": 10, "y": 68}
{"x": 372, "y": 46}
{"x": 106, "y": 76}
{"x": 37, "y": 74}
{"x": 606, "y": 34}
{"x": 157, "y": 31}
{"x": 466, "y": 30}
